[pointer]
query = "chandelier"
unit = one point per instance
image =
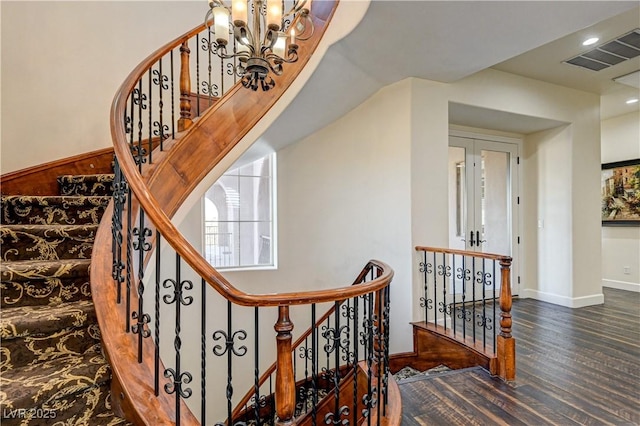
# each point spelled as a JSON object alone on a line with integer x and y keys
{"x": 261, "y": 43}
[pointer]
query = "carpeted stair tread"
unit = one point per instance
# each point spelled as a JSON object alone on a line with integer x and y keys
{"x": 48, "y": 291}
{"x": 46, "y": 242}
{"x": 51, "y": 358}
{"x": 71, "y": 210}
{"x": 34, "y": 385}
{"x": 44, "y": 282}
{"x": 28, "y": 270}
{"x": 91, "y": 407}
{"x": 98, "y": 184}
{"x": 29, "y": 350}
{"x": 21, "y": 321}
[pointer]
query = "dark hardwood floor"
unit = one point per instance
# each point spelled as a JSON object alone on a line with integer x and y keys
{"x": 574, "y": 367}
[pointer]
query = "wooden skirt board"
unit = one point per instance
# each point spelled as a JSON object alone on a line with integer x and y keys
{"x": 574, "y": 367}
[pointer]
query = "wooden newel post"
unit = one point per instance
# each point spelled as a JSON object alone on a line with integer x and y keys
{"x": 184, "y": 122}
{"x": 506, "y": 346}
{"x": 285, "y": 381}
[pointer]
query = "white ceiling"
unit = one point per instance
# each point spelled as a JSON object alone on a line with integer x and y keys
{"x": 448, "y": 40}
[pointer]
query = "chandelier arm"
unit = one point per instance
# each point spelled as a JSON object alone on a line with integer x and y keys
{"x": 308, "y": 24}
{"x": 243, "y": 32}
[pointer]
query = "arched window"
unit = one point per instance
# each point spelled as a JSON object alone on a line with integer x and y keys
{"x": 239, "y": 211}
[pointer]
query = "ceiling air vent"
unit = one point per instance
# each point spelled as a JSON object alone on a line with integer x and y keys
{"x": 611, "y": 53}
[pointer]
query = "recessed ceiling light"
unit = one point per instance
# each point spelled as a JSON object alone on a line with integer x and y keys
{"x": 632, "y": 101}
{"x": 590, "y": 41}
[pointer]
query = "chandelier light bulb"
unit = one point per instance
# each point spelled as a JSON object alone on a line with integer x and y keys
{"x": 239, "y": 12}
{"x": 221, "y": 22}
{"x": 274, "y": 15}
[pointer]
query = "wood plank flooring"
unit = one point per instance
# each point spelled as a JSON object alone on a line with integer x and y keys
{"x": 574, "y": 367}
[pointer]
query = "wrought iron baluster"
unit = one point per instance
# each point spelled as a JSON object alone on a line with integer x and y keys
{"x": 356, "y": 345}
{"x": 198, "y": 73}
{"x": 203, "y": 352}
{"x": 256, "y": 376}
{"x": 129, "y": 262}
{"x": 229, "y": 349}
{"x": 173, "y": 98}
{"x": 314, "y": 365}
{"x": 369, "y": 399}
{"x": 119, "y": 198}
{"x": 385, "y": 321}
{"x": 130, "y": 120}
{"x": 142, "y": 319}
{"x": 150, "y": 141}
{"x": 156, "y": 324}
{"x": 446, "y": 309}
{"x": 494, "y": 306}
{"x": 140, "y": 100}
{"x": 161, "y": 128}
{"x": 464, "y": 297}
{"x": 379, "y": 351}
{"x": 177, "y": 376}
{"x": 473, "y": 295}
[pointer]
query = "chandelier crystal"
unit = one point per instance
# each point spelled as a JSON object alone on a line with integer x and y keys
{"x": 264, "y": 40}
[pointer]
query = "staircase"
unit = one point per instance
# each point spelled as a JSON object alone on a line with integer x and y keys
{"x": 51, "y": 360}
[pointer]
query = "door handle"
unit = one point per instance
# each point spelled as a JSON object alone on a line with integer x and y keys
{"x": 478, "y": 241}
{"x": 471, "y": 241}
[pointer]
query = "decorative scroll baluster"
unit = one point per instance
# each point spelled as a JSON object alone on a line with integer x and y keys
{"x": 356, "y": 346}
{"x": 139, "y": 99}
{"x": 367, "y": 336}
{"x": 129, "y": 262}
{"x": 473, "y": 297}
{"x": 379, "y": 348}
{"x": 494, "y": 308}
{"x": 257, "y": 404}
{"x": 230, "y": 350}
{"x": 198, "y": 72}
{"x": 177, "y": 376}
{"x": 142, "y": 319}
{"x": 173, "y": 99}
{"x": 334, "y": 345}
{"x": 385, "y": 335}
{"x": 156, "y": 325}
{"x": 119, "y": 198}
{"x": 314, "y": 364}
{"x": 150, "y": 125}
{"x": 203, "y": 352}
{"x": 185, "y": 88}
{"x": 161, "y": 128}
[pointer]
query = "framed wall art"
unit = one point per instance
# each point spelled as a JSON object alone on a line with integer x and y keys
{"x": 620, "y": 190}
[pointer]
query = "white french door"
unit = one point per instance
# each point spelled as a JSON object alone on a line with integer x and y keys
{"x": 483, "y": 197}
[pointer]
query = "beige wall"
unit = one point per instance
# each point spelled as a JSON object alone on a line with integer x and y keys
{"x": 374, "y": 184}
{"x": 343, "y": 199}
{"x": 621, "y": 245}
{"x": 62, "y": 62}
{"x": 560, "y": 178}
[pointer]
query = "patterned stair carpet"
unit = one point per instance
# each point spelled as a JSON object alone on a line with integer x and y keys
{"x": 52, "y": 371}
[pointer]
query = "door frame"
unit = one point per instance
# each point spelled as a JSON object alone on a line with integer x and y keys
{"x": 518, "y": 259}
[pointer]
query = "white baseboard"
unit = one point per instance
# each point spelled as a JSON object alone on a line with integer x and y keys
{"x": 570, "y": 302}
{"x": 622, "y": 285}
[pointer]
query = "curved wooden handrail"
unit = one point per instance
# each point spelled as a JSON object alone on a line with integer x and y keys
{"x": 163, "y": 187}
{"x": 300, "y": 340}
{"x": 156, "y": 214}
